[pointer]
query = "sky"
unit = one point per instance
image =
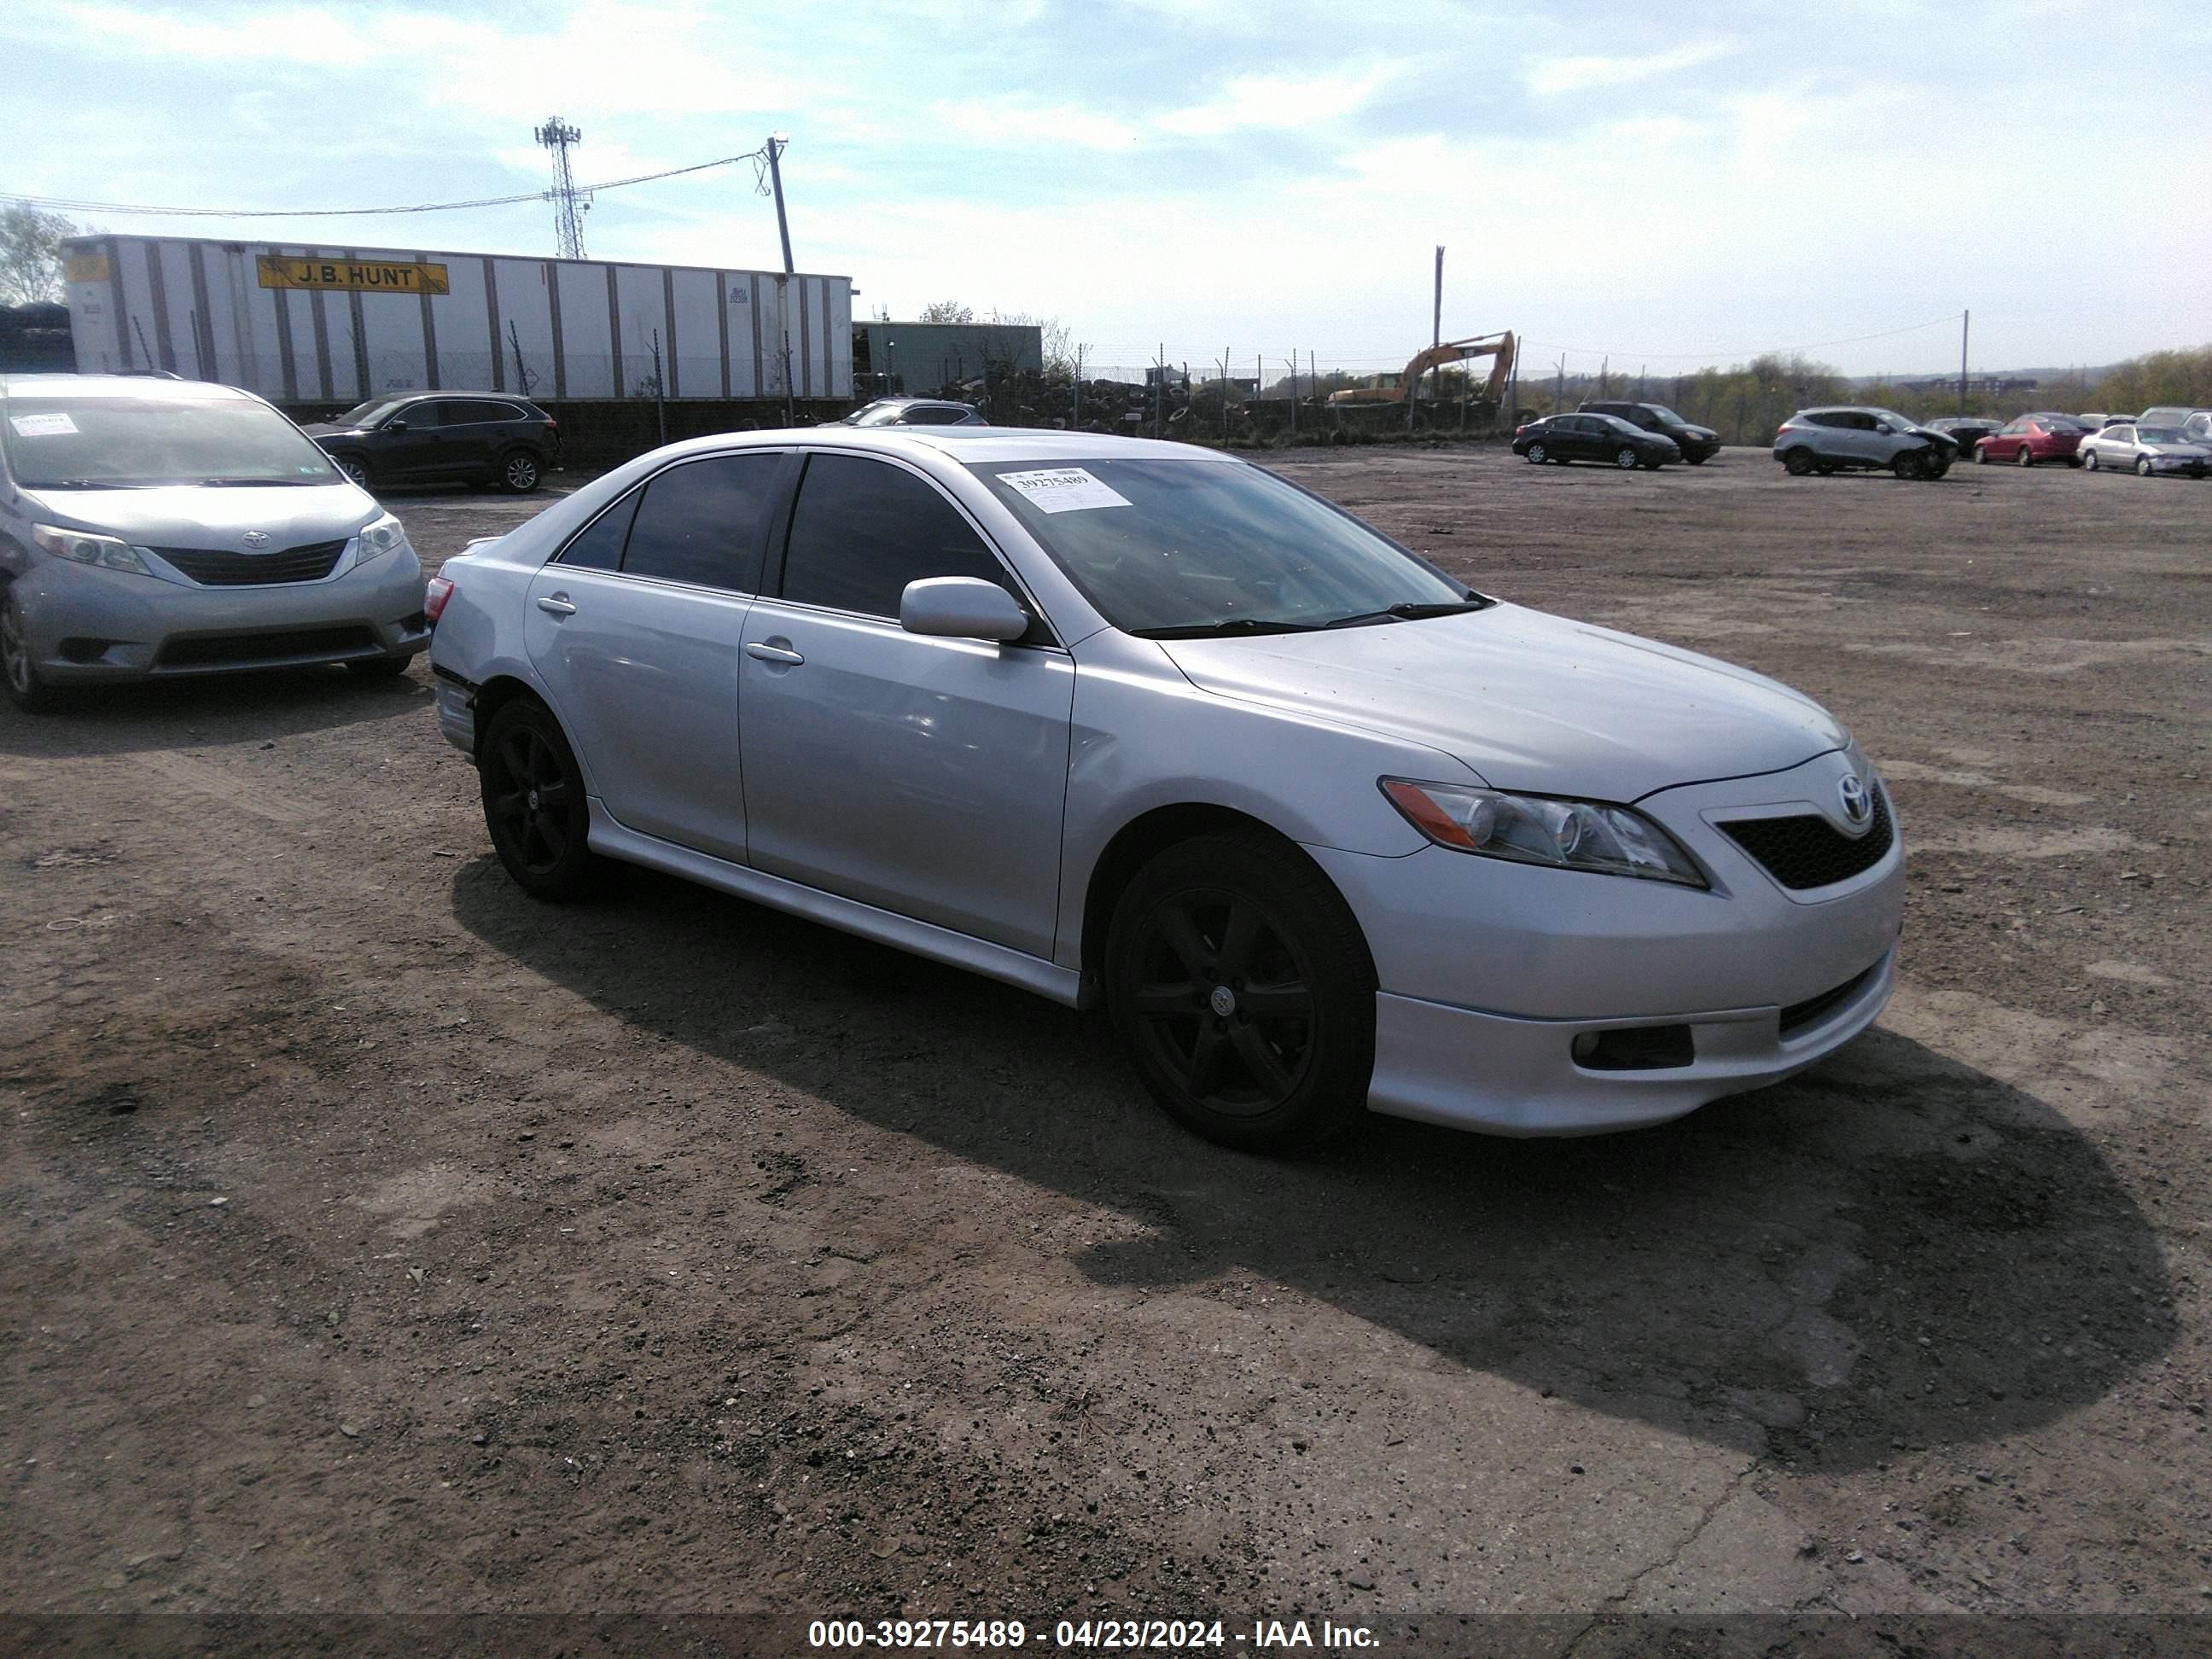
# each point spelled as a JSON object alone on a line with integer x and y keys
{"x": 1659, "y": 184}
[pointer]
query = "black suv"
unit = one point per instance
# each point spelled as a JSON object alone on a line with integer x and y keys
{"x": 443, "y": 437}
{"x": 1698, "y": 444}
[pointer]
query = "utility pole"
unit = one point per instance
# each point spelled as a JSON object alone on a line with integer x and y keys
{"x": 659, "y": 389}
{"x": 1160, "y": 395}
{"x": 1294, "y": 391}
{"x": 1437, "y": 329}
{"x": 1965, "y": 321}
{"x": 777, "y": 145}
{"x": 568, "y": 203}
{"x": 1075, "y": 420}
{"x": 1559, "y": 388}
{"x": 1224, "y": 394}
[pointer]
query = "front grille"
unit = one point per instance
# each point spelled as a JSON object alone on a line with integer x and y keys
{"x": 247, "y": 650}
{"x": 212, "y": 568}
{"x": 1798, "y": 1015}
{"x": 1810, "y": 851}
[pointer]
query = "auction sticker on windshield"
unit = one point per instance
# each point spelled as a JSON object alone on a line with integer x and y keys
{"x": 42, "y": 426}
{"x": 1063, "y": 490}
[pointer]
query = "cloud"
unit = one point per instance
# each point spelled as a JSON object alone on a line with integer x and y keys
{"x": 1278, "y": 100}
{"x": 1013, "y": 122}
{"x": 1550, "y": 76}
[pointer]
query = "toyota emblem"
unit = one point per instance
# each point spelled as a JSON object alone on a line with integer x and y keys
{"x": 255, "y": 539}
{"x": 1858, "y": 800}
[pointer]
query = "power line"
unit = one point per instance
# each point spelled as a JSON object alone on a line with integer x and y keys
{"x": 75, "y": 204}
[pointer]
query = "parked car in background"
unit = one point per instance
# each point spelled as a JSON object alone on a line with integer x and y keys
{"x": 443, "y": 437}
{"x": 1129, "y": 724}
{"x": 2144, "y": 450}
{"x": 155, "y": 528}
{"x": 1606, "y": 438}
{"x": 914, "y": 411}
{"x": 2033, "y": 439}
{"x": 1964, "y": 430}
{"x": 1851, "y": 437}
{"x": 2178, "y": 415}
{"x": 2197, "y": 428}
{"x": 1698, "y": 444}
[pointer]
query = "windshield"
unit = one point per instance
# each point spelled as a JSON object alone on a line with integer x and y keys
{"x": 877, "y": 415}
{"x": 1666, "y": 414}
{"x": 122, "y": 443}
{"x": 367, "y": 414}
{"x": 2159, "y": 434}
{"x": 1894, "y": 419}
{"x": 1211, "y": 546}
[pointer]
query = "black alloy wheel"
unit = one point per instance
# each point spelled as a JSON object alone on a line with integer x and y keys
{"x": 1910, "y": 464}
{"x": 1798, "y": 463}
{"x": 1244, "y": 993}
{"x": 533, "y": 802}
{"x": 353, "y": 467}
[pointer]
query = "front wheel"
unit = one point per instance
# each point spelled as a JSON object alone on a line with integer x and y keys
{"x": 1625, "y": 458}
{"x": 1981, "y": 454}
{"x": 1798, "y": 463}
{"x": 1911, "y": 465}
{"x": 534, "y": 804}
{"x": 2143, "y": 466}
{"x": 1244, "y": 993}
{"x": 18, "y": 672}
{"x": 518, "y": 471}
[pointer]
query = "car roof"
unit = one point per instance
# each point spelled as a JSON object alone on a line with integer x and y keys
{"x": 120, "y": 386}
{"x": 963, "y": 444}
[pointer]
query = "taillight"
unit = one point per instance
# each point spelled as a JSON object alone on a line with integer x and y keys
{"x": 434, "y": 597}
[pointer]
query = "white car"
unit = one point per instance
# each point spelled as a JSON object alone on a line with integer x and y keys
{"x": 2144, "y": 449}
{"x": 1133, "y": 725}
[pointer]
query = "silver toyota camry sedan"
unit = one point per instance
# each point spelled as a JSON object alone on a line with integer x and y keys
{"x": 1131, "y": 725}
{"x": 153, "y": 528}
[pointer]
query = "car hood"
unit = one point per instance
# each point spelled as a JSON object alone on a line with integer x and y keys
{"x": 1702, "y": 434}
{"x": 325, "y": 429}
{"x": 191, "y": 515}
{"x": 1530, "y": 701}
{"x": 2185, "y": 451}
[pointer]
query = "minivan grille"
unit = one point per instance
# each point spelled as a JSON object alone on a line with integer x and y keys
{"x": 1808, "y": 851}
{"x": 253, "y": 650}
{"x": 213, "y": 568}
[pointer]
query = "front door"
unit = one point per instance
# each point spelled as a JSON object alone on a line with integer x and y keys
{"x": 924, "y": 775}
{"x": 636, "y": 627}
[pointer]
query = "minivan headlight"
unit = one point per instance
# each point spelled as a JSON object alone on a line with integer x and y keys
{"x": 1566, "y": 835}
{"x": 378, "y": 539}
{"x": 81, "y": 547}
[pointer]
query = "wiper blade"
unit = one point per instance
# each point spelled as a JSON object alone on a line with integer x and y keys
{"x": 1408, "y": 612}
{"x": 80, "y": 484}
{"x": 1221, "y": 629}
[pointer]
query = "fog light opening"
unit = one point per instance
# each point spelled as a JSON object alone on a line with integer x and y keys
{"x": 1633, "y": 1048}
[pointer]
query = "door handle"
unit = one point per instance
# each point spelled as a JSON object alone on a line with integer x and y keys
{"x": 776, "y": 653}
{"x": 557, "y": 604}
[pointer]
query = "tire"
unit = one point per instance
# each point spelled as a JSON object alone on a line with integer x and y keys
{"x": 1910, "y": 464}
{"x": 1535, "y": 454}
{"x": 2025, "y": 458}
{"x": 1981, "y": 454}
{"x": 2089, "y": 462}
{"x": 1825, "y": 469}
{"x": 18, "y": 672}
{"x": 378, "y": 670}
{"x": 354, "y": 468}
{"x": 539, "y": 835}
{"x": 1798, "y": 463}
{"x": 1626, "y": 459}
{"x": 1226, "y": 916}
{"x": 519, "y": 473}
{"x": 2143, "y": 466}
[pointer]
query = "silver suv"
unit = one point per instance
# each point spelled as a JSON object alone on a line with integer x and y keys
{"x": 1825, "y": 441}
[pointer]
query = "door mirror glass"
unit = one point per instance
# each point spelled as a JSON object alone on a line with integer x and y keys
{"x": 395, "y": 424}
{"x": 961, "y": 607}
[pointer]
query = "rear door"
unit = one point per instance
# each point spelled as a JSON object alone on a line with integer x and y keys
{"x": 923, "y": 776}
{"x": 637, "y": 626}
{"x": 476, "y": 429}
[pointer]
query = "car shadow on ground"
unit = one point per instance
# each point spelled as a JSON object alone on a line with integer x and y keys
{"x": 210, "y": 710}
{"x": 1893, "y": 1251}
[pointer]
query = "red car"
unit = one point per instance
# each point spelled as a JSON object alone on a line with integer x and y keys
{"x": 2033, "y": 438}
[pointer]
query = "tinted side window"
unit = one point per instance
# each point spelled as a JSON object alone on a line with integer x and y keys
{"x": 863, "y": 529}
{"x": 598, "y": 544}
{"x": 704, "y": 521}
{"x": 473, "y": 411}
{"x": 420, "y": 416}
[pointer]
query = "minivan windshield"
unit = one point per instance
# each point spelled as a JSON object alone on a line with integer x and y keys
{"x": 1169, "y": 547}
{"x": 61, "y": 442}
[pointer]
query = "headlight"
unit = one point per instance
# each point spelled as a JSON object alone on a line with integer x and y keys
{"x": 106, "y": 552}
{"x": 1566, "y": 835}
{"x": 378, "y": 539}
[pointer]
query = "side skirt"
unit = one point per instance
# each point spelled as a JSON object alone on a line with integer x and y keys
{"x": 922, "y": 938}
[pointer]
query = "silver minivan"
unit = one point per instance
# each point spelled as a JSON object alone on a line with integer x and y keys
{"x": 152, "y": 527}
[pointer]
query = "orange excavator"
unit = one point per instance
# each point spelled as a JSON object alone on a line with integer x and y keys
{"x": 1499, "y": 346}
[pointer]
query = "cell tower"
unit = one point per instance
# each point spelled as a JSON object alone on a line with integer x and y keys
{"x": 569, "y": 203}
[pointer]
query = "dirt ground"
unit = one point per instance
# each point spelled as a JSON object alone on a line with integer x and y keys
{"x": 374, "y": 1238}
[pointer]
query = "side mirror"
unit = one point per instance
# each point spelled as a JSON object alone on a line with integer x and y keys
{"x": 961, "y": 608}
{"x": 395, "y": 424}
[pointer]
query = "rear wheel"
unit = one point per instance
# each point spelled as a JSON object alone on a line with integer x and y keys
{"x": 1799, "y": 462}
{"x": 1981, "y": 454}
{"x": 1244, "y": 993}
{"x": 17, "y": 671}
{"x": 519, "y": 472}
{"x": 1626, "y": 459}
{"x": 1536, "y": 455}
{"x": 2025, "y": 457}
{"x": 533, "y": 802}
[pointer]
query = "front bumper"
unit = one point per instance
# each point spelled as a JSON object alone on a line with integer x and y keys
{"x": 1490, "y": 971}
{"x": 87, "y": 625}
